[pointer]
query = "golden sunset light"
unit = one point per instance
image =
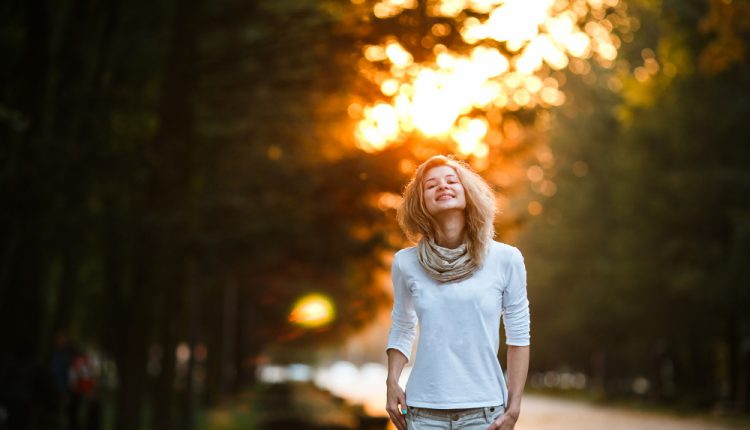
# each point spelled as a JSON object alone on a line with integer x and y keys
{"x": 312, "y": 310}
{"x": 517, "y": 47}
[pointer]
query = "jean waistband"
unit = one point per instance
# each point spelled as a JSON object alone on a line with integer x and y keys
{"x": 455, "y": 414}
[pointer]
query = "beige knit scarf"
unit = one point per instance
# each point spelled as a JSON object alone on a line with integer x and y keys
{"x": 445, "y": 264}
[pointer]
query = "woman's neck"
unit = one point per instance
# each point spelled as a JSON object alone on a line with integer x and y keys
{"x": 449, "y": 229}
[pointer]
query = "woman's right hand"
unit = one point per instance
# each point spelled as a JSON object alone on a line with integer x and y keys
{"x": 395, "y": 405}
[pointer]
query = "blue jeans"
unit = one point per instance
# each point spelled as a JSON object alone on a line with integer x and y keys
{"x": 449, "y": 419}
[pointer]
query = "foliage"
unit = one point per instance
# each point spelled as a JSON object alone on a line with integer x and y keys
{"x": 634, "y": 265}
{"x": 164, "y": 185}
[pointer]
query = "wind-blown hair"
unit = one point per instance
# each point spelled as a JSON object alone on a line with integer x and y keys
{"x": 480, "y": 211}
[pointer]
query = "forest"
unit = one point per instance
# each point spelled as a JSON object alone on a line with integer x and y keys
{"x": 179, "y": 172}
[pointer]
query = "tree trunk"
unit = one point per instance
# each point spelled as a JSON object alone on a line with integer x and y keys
{"x": 170, "y": 194}
{"x": 599, "y": 373}
{"x": 132, "y": 327}
{"x": 24, "y": 260}
{"x": 229, "y": 334}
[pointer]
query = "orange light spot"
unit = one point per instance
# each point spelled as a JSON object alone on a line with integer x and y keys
{"x": 312, "y": 310}
{"x": 535, "y": 208}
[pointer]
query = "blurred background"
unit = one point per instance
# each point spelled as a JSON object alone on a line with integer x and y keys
{"x": 198, "y": 201}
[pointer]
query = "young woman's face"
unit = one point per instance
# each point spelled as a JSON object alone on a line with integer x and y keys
{"x": 442, "y": 190}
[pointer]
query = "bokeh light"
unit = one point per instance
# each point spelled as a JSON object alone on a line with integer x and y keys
{"x": 312, "y": 310}
{"x": 517, "y": 47}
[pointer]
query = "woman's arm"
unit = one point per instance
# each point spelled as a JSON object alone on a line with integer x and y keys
{"x": 518, "y": 369}
{"x": 400, "y": 342}
{"x": 517, "y": 322}
{"x": 396, "y": 399}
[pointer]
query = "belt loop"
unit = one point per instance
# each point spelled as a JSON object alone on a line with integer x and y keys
{"x": 487, "y": 415}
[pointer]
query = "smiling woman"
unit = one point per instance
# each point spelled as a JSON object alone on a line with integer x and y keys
{"x": 443, "y": 190}
{"x": 456, "y": 283}
{"x": 420, "y": 212}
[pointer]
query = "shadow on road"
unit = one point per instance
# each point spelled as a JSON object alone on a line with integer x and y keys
{"x": 304, "y": 406}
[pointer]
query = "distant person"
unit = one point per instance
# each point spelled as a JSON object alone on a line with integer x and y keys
{"x": 457, "y": 282}
{"x": 84, "y": 395}
{"x": 74, "y": 377}
{"x": 62, "y": 356}
{"x": 61, "y": 359}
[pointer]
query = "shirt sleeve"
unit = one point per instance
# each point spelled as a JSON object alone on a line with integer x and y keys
{"x": 516, "y": 316}
{"x": 403, "y": 317}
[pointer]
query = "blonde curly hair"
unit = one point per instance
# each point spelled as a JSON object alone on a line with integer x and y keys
{"x": 480, "y": 211}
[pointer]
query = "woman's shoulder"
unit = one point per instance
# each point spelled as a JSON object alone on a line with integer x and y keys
{"x": 405, "y": 253}
{"x": 504, "y": 251}
{"x": 404, "y": 259}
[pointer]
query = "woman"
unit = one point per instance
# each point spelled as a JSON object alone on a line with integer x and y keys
{"x": 457, "y": 282}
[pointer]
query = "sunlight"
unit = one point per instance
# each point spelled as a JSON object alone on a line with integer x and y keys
{"x": 517, "y": 21}
{"x": 362, "y": 386}
{"x": 450, "y": 96}
{"x": 312, "y": 310}
{"x": 469, "y": 136}
{"x": 399, "y": 56}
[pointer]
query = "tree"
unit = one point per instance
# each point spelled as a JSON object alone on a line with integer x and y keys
{"x": 657, "y": 215}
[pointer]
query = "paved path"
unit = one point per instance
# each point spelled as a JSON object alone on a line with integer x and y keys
{"x": 549, "y": 413}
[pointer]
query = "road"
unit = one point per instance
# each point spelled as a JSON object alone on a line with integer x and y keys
{"x": 304, "y": 406}
{"x": 549, "y": 413}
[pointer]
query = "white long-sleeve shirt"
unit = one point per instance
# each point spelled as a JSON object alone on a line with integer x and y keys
{"x": 456, "y": 363}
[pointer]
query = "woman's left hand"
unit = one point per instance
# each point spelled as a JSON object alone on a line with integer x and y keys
{"x": 503, "y": 422}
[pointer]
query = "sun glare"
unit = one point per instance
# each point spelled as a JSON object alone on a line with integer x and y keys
{"x": 312, "y": 310}
{"x": 449, "y": 96}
